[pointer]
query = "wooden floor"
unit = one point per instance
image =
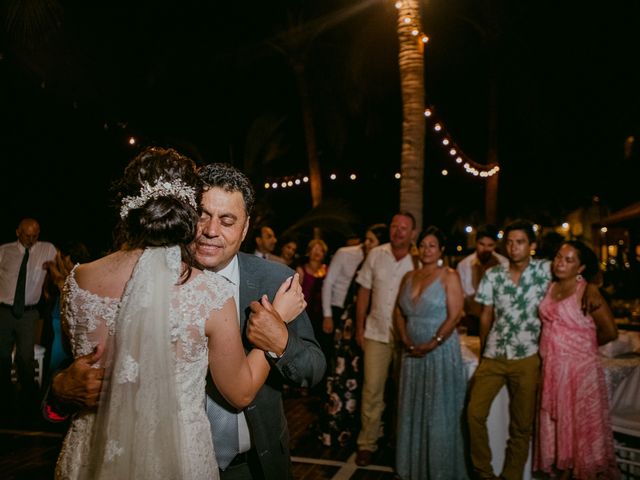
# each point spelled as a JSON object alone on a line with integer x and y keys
{"x": 29, "y": 448}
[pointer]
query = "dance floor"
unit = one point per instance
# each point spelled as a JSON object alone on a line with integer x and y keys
{"x": 28, "y": 449}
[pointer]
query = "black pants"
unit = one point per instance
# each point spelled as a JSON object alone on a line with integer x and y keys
{"x": 21, "y": 333}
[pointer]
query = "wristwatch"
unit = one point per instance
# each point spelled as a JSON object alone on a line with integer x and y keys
{"x": 439, "y": 339}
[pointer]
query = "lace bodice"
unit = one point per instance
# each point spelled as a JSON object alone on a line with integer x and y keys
{"x": 90, "y": 320}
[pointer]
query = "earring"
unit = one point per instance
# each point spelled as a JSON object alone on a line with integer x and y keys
{"x": 440, "y": 262}
{"x": 579, "y": 278}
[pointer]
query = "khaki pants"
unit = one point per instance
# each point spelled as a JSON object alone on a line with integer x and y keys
{"x": 521, "y": 378}
{"x": 378, "y": 357}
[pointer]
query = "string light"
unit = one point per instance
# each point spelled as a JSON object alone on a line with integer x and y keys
{"x": 291, "y": 181}
{"x": 471, "y": 167}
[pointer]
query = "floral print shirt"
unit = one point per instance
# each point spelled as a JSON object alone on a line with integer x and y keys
{"x": 515, "y": 330}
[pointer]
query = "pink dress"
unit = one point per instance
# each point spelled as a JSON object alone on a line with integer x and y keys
{"x": 574, "y": 428}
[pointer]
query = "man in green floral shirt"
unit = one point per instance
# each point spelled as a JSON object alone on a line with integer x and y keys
{"x": 509, "y": 332}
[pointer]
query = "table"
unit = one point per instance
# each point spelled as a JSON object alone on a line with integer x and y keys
{"x": 498, "y": 420}
{"x": 621, "y": 361}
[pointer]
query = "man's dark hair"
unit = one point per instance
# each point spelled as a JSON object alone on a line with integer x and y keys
{"x": 230, "y": 179}
{"x": 525, "y": 225}
{"x": 487, "y": 231}
{"x": 257, "y": 231}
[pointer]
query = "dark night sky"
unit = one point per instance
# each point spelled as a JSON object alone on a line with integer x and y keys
{"x": 205, "y": 77}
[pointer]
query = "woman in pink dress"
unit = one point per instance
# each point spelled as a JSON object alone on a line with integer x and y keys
{"x": 574, "y": 437}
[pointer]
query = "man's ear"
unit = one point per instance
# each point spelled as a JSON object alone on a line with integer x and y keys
{"x": 533, "y": 246}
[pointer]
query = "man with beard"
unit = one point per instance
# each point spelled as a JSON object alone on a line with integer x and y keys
{"x": 471, "y": 270}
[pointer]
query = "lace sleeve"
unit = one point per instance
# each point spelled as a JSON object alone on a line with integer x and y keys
{"x": 220, "y": 289}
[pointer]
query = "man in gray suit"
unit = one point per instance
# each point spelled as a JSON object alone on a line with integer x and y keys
{"x": 293, "y": 351}
{"x": 262, "y": 436}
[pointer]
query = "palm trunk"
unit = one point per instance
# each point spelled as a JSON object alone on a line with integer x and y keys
{"x": 491, "y": 185}
{"x": 411, "y": 63}
{"x": 315, "y": 177}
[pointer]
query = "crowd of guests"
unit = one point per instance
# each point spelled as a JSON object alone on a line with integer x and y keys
{"x": 382, "y": 311}
{"x": 393, "y": 309}
{"x": 539, "y": 320}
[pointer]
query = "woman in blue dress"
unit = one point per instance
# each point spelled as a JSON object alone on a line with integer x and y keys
{"x": 432, "y": 380}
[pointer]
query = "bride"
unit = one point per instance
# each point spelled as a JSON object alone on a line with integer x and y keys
{"x": 161, "y": 323}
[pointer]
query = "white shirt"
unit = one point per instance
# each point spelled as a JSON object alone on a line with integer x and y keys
{"x": 465, "y": 271}
{"x": 232, "y": 273}
{"x": 11, "y": 255}
{"x": 339, "y": 275}
{"x": 268, "y": 256}
{"x": 382, "y": 273}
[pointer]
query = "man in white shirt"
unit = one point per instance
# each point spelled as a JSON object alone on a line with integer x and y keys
{"x": 471, "y": 270}
{"x": 265, "y": 240}
{"x": 22, "y": 274}
{"x": 379, "y": 280}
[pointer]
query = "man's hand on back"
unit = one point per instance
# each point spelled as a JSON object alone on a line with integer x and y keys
{"x": 80, "y": 383}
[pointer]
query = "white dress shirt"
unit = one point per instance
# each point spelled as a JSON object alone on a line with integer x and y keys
{"x": 11, "y": 255}
{"x": 339, "y": 275}
{"x": 466, "y": 273}
{"x": 382, "y": 273}
{"x": 232, "y": 273}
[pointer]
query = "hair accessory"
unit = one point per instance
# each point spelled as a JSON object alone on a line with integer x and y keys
{"x": 162, "y": 188}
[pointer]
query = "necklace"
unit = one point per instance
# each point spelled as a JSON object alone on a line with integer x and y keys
{"x": 562, "y": 291}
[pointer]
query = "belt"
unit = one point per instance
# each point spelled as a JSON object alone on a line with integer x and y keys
{"x": 27, "y": 307}
{"x": 240, "y": 459}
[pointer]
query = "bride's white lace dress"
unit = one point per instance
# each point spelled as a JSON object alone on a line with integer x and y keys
{"x": 90, "y": 320}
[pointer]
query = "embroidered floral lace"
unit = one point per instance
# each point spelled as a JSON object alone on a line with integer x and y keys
{"x": 151, "y": 421}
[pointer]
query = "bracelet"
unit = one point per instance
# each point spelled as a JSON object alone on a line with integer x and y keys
{"x": 438, "y": 338}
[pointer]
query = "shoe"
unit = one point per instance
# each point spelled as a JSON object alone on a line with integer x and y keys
{"x": 363, "y": 458}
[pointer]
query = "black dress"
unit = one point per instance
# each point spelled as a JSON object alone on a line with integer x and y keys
{"x": 339, "y": 420}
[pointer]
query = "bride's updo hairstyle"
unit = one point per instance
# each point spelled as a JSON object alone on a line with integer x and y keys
{"x": 158, "y": 197}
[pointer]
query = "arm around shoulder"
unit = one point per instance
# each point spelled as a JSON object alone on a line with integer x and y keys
{"x": 606, "y": 328}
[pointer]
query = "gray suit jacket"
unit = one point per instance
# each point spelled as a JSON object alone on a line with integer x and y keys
{"x": 303, "y": 364}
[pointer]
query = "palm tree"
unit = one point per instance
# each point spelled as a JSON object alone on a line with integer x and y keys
{"x": 411, "y": 62}
{"x": 294, "y": 44}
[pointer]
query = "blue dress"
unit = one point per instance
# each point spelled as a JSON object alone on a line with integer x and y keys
{"x": 432, "y": 394}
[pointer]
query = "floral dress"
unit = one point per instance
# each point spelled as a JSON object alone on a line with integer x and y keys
{"x": 339, "y": 421}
